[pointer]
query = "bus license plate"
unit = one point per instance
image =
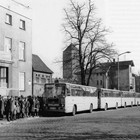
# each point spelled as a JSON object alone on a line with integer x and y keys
{"x": 53, "y": 108}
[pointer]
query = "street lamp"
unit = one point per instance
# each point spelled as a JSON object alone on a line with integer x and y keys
{"x": 118, "y": 64}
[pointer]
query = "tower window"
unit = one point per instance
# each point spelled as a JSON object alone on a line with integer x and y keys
{"x": 8, "y": 19}
{"x": 22, "y": 24}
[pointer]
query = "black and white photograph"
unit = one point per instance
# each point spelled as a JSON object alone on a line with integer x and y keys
{"x": 69, "y": 70}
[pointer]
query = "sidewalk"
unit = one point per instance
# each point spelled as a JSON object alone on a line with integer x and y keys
{"x": 4, "y": 122}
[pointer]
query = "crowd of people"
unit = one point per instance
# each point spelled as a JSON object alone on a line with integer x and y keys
{"x": 14, "y": 107}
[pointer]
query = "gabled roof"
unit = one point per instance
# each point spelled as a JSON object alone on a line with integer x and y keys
{"x": 70, "y": 48}
{"x": 122, "y": 63}
{"x": 105, "y": 66}
{"x": 39, "y": 66}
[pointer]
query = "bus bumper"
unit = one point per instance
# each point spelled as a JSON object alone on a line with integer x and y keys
{"x": 55, "y": 109}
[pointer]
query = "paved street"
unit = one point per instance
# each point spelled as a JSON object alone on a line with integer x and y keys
{"x": 123, "y": 124}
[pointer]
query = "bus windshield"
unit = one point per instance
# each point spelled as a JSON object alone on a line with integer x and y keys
{"x": 54, "y": 90}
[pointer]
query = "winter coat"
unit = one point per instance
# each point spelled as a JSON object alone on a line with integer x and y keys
{"x": 8, "y": 106}
{"x": 1, "y": 106}
{"x": 37, "y": 105}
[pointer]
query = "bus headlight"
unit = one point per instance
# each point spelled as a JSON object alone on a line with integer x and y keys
{"x": 62, "y": 105}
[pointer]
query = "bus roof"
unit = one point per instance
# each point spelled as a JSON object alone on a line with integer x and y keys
{"x": 70, "y": 84}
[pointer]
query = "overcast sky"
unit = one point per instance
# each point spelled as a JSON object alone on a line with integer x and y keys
{"x": 122, "y": 16}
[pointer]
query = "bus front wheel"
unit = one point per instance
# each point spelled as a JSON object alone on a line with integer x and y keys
{"x": 74, "y": 111}
{"x": 91, "y": 108}
{"x": 106, "y": 107}
{"x": 131, "y": 104}
{"x": 116, "y": 105}
{"x": 125, "y": 105}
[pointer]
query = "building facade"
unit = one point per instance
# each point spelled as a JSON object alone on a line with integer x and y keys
{"x": 41, "y": 75}
{"x": 107, "y": 76}
{"x": 70, "y": 63}
{"x": 137, "y": 81}
{"x": 104, "y": 77}
{"x": 15, "y": 49}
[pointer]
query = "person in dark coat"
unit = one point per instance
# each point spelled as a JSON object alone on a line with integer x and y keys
{"x": 17, "y": 108}
{"x": 22, "y": 107}
{"x": 1, "y": 107}
{"x": 33, "y": 107}
{"x": 8, "y": 108}
{"x": 27, "y": 106}
{"x": 30, "y": 99}
{"x": 37, "y": 106}
{"x": 41, "y": 109}
{"x": 12, "y": 108}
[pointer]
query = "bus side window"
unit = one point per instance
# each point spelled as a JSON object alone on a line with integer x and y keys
{"x": 109, "y": 94}
{"x": 68, "y": 91}
{"x": 63, "y": 91}
{"x": 73, "y": 92}
{"x": 102, "y": 94}
{"x": 84, "y": 93}
{"x": 112, "y": 94}
{"x": 105, "y": 94}
{"x": 76, "y": 93}
{"x": 79, "y": 93}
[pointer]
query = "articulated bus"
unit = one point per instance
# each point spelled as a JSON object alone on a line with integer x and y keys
{"x": 72, "y": 98}
{"x": 115, "y": 98}
{"x": 109, "y": 98}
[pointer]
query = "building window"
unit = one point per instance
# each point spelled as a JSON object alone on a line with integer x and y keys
{"x": 3, "y": 77}
{"x": 97, "y": 82}
{"x": 101, "y": 82}
{"x": 43, "y": 80}
{"x": 37, "y": 79}
{"x": 8, "y": 44}
{"x": 22, "y": 24}
{"x": 48, "y": 80}
{"x": 21, "y": 51}
{"x": 8, "y": 19}
{"x": 21, "y": 81}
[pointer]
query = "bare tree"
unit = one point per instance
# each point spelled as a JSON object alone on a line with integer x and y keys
{"x": 87, "y": 33}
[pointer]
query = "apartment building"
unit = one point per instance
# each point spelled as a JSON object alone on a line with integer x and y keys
{"x": 107, "y": 76}
{"x": 15, "y": 48}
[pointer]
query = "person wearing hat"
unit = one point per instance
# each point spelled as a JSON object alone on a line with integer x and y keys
{"x": 8, "y": 108}
{"x": 1, "y": 107}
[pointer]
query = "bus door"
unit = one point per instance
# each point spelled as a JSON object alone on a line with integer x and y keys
{"x": 121, "y": 95}
{"x": 134, "y": 95}
{"x": 99, "y": 93}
